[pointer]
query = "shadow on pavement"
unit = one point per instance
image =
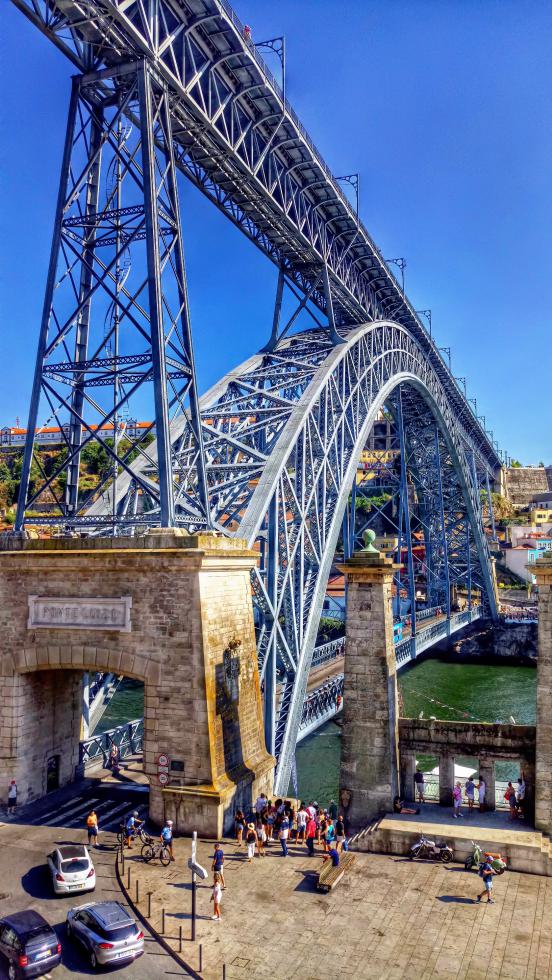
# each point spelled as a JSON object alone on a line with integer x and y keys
{"x": 308, "y": 883}
{"x": 37, "y": 883}
{"x": 456, "y": 899}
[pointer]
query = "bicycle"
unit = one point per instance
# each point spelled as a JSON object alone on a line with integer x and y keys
{"x": 141, "y": 833}
{"x": 156, "y": 849}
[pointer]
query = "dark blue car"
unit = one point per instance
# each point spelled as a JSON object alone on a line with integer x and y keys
{"x": 28, "y": 945}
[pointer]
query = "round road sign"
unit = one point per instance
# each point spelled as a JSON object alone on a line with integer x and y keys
{"x": 163, "y": 760}
{"x": 163, "y": 778}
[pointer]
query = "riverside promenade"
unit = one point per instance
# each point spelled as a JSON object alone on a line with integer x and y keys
{"x": 388, "y": 919}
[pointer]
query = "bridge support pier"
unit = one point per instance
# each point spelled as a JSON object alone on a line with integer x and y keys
{"x": 542, "y": 569}
{"x": 370, "y": 744}
{"x": 166, "y": 607}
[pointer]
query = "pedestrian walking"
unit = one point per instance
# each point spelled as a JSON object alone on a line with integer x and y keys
{"x": 167, "y": 837}
{"x": 311, "y": 834}
{"x": 457, "y": 800}
{"x": 520, "y": 797}
{"x": 261, "y": 838}
{"x": 302, "y": 817}
{"x": 218, "y": 863}
{"x": 251, "y": 841}
{"x": 487, "y": 873}
{"x": 339, "y": 832}
{"x": 92, "y": 828}
{"x": 216, "y": 895}
{"x": 481, "y": 791}
{"x": 114, "y": 759}
{"x": 329, "y": 836}
{"x": 260, "y": 803}
{"x": 283, "y": 835}
{"x": 510, "y": 797}
{"x": 12, "y": 797}
{"x": 332, "y": 810}
{"x": 239, "y": 825}
{"x": 419, "y": 782}
{"x": 470, "y": 792}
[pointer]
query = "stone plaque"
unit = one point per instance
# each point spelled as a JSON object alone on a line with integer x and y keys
{"x": 76, "y": 613}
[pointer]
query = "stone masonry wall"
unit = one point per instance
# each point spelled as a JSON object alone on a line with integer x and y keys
{"x": 180, "y": 625}
{"x": 543, "y": 774}
{"x": 523, "y": 482}
{"x": 369, "y": 747}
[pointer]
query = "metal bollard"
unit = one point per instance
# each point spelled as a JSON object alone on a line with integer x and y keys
{"x": 137, "y": 891}
{"x": 149, "y": 904}
{"x": 180, "y": 939}
{"x": 200, "y": 958}
{"x": 128, "y": 879}
{"x": 224, "y": 971}
{"x": 162, "y": 922}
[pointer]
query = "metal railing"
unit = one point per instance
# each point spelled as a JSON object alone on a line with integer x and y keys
{"x": 321, "y": 705}
{"x": 328, "y": 651}
{"x": 431, "y": 791}
{"x": 128, "y": 738}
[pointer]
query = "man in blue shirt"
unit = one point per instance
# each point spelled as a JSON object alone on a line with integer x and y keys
{"x": 132, "y": 825}
{"x": 218, "y": 863}
{"x": 167, "y": 837}
{"x": 333, "y": 855}
{"x": 486, "y": 872}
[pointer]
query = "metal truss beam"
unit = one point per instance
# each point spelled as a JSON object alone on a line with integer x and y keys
{"x": 239, "y": 140}
{"x": 115, "y": 322}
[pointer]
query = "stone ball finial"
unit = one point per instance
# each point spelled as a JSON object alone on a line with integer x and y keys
{"x": 369, "y": 537}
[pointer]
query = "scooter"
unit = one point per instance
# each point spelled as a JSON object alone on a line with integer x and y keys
{"x": 425, "y": 848}
{"x": 478, "y": 855}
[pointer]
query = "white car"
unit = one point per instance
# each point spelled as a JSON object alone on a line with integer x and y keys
{"x": 71, "y": 869}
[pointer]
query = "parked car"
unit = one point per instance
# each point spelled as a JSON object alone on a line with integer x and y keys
{"x": 106, "y": 931}
{"x": 71, "y": 868}
{"x": 28, "y": 945}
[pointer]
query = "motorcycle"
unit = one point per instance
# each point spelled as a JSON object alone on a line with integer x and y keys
{"x": 425, "y": 848}
{"x": 478, "y": 855}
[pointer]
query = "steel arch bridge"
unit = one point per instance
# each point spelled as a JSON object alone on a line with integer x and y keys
{"x": 282, "y": 435}
{"x": 270, "y": 453}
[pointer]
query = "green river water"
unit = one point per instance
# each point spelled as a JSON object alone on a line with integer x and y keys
{"x": 461, "y": 692}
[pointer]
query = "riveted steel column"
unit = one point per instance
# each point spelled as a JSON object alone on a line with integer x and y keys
{"x": 47, "y": 307}
{"x": 166, "y": 493}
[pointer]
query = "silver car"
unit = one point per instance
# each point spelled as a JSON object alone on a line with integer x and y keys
{"x": 71, "y": 869}
{"x": 106, "y": 931}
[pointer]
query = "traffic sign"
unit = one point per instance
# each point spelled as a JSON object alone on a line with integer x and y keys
{"x": 163, "y": 778}
{"x": 162, "y": 760}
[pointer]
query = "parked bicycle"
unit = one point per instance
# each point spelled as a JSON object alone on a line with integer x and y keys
{"x": 156, "y": 849}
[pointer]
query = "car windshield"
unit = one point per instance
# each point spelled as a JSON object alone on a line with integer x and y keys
{"x": 75, "y": 864}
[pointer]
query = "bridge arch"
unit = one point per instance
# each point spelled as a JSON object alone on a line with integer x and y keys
{"x": 283, "y": 434}
{"x": 49, "y": 692}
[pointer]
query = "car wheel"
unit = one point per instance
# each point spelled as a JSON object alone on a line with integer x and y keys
{"x": 12, "y": 972}
{"x": 93, "y": 960}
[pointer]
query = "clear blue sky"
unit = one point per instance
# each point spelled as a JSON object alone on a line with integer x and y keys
{"x": 442, "y": 106}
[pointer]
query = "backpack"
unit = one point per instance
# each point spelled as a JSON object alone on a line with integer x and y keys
{"x": 482, "y": 866}
{"x": 345, "y": 845}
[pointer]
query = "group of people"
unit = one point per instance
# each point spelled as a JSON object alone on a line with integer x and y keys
{"x": 514, "y": 795}
{"x": 515, "y": 798}
{"x": 279, "y": 820}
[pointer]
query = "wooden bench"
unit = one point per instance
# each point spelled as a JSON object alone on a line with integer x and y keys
{"x": 328, "y": 876}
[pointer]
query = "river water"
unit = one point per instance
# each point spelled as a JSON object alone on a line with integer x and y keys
{"x": 461, "y": 692}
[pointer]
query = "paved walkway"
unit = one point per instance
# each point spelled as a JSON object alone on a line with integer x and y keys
{"x": 388, "y": 919}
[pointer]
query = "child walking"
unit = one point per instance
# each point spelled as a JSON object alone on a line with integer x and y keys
{"x": 216, "y": 896}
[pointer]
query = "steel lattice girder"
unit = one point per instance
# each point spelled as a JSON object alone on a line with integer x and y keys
{"x": 283, "y": 436}
{"x": 115, "y": 318}
{"x": 242, "y": 144}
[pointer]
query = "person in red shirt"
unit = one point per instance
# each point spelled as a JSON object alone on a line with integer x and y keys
{"x": 311, "y": 834}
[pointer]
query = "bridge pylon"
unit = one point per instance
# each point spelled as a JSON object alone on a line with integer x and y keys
{"x": 115, "y": 324}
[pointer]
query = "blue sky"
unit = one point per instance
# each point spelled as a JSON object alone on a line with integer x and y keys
{"x": 444, "y": 110}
